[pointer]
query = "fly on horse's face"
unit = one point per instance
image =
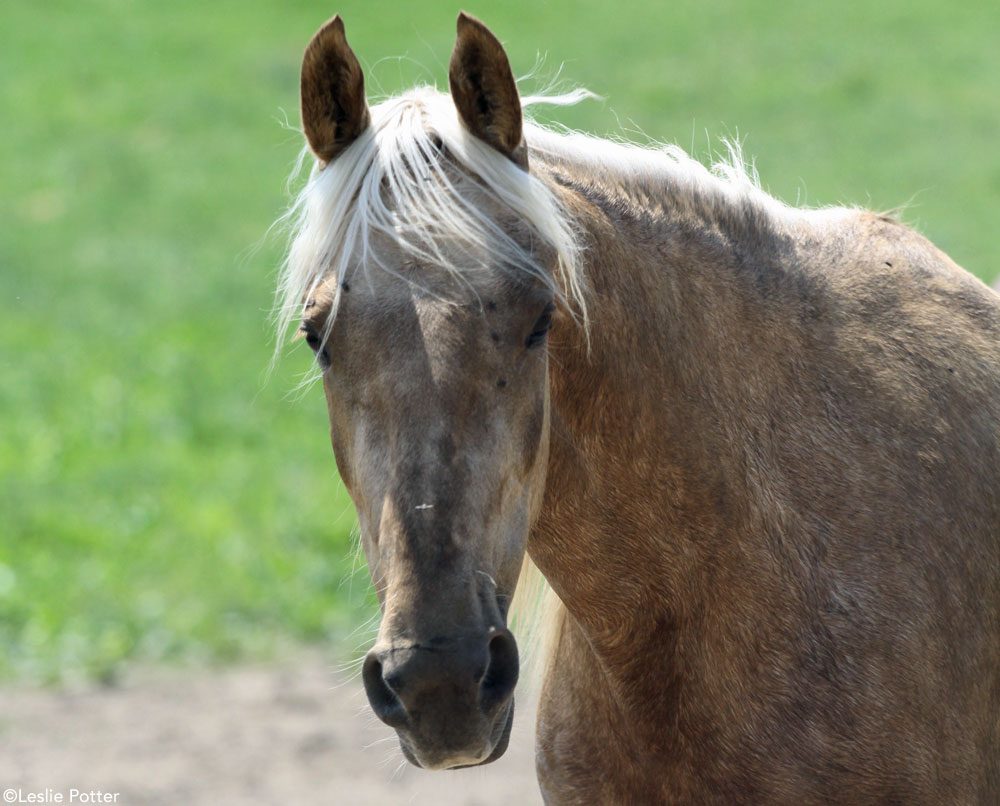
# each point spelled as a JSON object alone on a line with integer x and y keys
{"x": 436, "y": 381}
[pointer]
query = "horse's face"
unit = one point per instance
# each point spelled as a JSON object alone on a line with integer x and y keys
{"x": 437, "y": 392}
{"x": 439, "y": 421}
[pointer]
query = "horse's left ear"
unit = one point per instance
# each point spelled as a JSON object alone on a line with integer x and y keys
{"x": 483, "y": 88}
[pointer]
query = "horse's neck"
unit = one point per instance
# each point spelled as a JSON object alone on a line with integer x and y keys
{"x": 646, "y": 467}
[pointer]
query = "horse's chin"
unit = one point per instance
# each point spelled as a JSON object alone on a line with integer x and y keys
{"x": 500, "y": 740}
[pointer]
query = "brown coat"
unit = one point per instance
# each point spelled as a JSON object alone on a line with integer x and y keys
{"x": 762, "y": 472}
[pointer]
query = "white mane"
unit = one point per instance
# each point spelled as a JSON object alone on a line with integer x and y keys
{"x": 623, "y": 163}
{"x": 393, "y": 180}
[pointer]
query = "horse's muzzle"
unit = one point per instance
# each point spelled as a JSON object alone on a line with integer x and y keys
{"x": 450, "y": 700}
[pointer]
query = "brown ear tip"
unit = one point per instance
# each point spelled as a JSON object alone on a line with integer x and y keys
{"x": 466, "y": 21}
{"x": 333, "y": 25}
{"x": 330, "y": 35}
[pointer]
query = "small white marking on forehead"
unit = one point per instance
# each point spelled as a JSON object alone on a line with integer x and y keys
{"x": 424, "y": 506}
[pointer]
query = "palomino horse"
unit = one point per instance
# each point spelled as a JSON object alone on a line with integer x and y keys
{"x": 754, "y": 450}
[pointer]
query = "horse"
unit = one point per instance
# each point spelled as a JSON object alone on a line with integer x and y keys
{"x": 754, "y": 451}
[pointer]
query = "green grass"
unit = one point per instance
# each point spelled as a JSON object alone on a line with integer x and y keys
{"x": 160, "y": 496}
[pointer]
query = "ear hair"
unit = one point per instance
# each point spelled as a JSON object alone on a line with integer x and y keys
{"x": 334, "y": 108}
{"x": 484, "y": 91}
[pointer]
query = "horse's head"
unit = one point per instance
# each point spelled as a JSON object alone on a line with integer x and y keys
{"x": 430, "y": 261}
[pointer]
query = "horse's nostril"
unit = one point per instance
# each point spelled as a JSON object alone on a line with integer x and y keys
{"x": 501, "y": 674}
{"x": 383, "y": 699}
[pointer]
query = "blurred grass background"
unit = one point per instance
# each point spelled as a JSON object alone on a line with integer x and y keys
{"x": 161, "y": 497}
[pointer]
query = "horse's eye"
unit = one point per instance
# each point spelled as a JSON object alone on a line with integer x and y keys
{"x": 316, "y": 345}
{"x": 541, "y": 328}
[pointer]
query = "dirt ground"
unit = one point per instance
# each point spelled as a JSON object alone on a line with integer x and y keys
{"x": 298, "y": 733}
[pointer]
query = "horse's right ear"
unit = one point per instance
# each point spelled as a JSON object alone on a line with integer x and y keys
{"x": 334, "y": 108}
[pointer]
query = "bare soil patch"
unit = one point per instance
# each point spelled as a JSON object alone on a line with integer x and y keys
{"x": 297, "y": 733}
